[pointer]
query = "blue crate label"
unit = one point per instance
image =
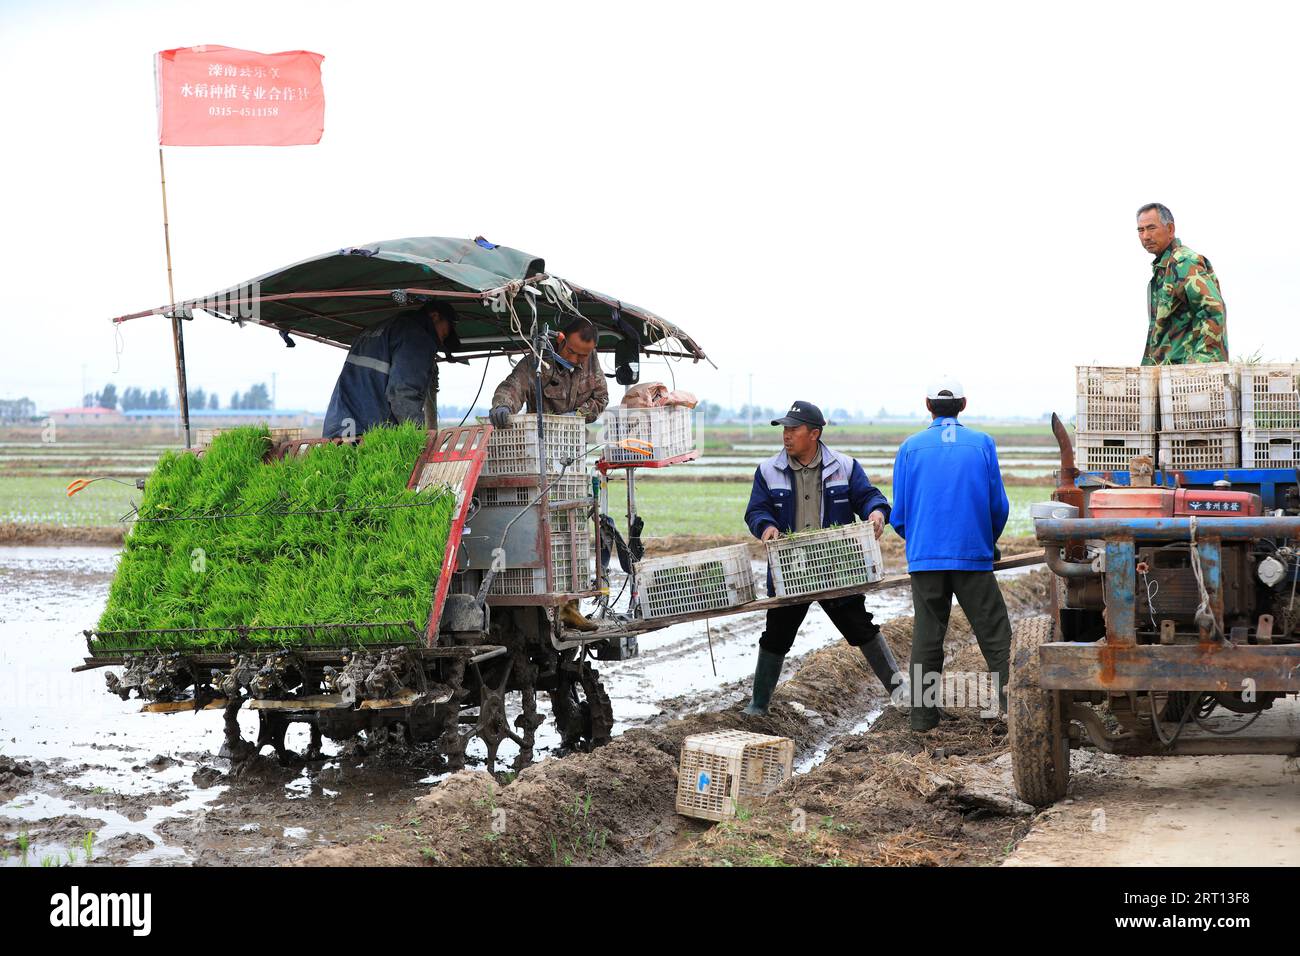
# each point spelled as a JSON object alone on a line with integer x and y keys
{"x": 702, "y": 782}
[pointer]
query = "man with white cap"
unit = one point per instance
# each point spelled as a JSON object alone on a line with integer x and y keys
{"x": 950, "y": 506}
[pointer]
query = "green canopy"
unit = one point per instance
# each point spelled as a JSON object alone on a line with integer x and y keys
{"x": 497, "y": 293}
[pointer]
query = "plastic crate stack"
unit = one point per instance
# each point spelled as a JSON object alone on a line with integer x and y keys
{"x": 1116, "y": 416}
{"x": 512, "y": 479}
{"x": 1200, "y": 416}
{"x": 1270, "y": 416}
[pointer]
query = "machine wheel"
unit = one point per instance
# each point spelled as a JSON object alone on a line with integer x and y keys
{"x": 1040, "y": 746}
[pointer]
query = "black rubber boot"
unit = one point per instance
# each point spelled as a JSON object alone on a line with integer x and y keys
{"x": 882, "y": 662}
{"x": 766, "y": 673}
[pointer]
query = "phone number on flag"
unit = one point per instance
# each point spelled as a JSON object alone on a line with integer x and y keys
{"x": 244, "y": 111}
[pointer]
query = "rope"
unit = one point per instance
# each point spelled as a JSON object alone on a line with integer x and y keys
{"x": 1295, "y": 576}
{"x": 1203, "y": 609}
{"x": 1152, "y": 589}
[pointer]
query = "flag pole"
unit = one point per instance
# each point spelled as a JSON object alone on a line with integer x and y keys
{"x": 178, "y": 337}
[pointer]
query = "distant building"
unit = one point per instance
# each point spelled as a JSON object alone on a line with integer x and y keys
{"x": 86, "y": 416}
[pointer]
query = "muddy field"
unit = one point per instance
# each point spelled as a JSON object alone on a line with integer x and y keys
{"x": 76, "y": 760}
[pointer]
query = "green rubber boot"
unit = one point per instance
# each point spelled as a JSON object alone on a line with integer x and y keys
{"x": 766, "y": 674}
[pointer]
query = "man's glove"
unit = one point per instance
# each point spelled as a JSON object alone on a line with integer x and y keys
{"x": 499, "y": 416}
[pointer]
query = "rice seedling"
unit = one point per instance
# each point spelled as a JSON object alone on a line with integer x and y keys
{"x": 330, "y": 537}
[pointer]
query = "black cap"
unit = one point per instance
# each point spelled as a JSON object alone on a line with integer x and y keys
{"x": 802, "y": 413}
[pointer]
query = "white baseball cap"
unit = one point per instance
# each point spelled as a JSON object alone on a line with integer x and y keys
{"x": 946, "y": 387}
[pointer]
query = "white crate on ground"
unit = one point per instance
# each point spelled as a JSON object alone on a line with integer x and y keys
{"x": 1111, "y": 452}
{"x": 697, "y": 581}
{"x": 1202, "y": 396}
{"x": 717, "y": 770}
{"x": 1198, "y": 451}
{"x": 1117, "y": 400}
{"x": 513, "y": 450}
{"x": 1270, "y": 448}
{"x": 637, "y": 436}
{"x": 1270, "y": 396}
{"x": 824, "y": 560}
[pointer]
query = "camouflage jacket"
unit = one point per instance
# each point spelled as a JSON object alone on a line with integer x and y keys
{"x": 581, "y": 389}
{"x": 1189, "y": 322}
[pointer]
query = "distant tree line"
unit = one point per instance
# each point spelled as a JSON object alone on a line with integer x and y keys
{"x": 257, "y": 397}
{"x": 17, "y": 410}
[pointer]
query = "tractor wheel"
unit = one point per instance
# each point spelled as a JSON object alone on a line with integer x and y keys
{"x": 1040, "y": 746}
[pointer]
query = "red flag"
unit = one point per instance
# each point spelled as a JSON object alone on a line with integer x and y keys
{"x": 220, "y": 96}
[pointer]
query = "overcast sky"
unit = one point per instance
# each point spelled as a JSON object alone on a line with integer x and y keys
{"x": 843, "y": 200}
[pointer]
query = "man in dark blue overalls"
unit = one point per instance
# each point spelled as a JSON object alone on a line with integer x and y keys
{"x": 389, "y": 371}
{"x": 805, "y": 486}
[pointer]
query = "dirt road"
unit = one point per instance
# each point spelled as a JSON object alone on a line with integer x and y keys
{"x": 1176, "y": 811}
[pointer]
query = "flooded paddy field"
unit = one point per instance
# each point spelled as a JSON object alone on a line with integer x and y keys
{"x": 76, "y": 760}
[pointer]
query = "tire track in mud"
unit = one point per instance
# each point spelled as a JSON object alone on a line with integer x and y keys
{"x": 898, "y": 796}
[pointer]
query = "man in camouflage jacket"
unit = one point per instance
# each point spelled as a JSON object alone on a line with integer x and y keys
{"x": 572, "y": 380}
{"x": 1188, "y": 319}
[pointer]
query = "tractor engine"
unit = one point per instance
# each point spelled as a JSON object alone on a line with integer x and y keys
{"x": 1257, "y": 576}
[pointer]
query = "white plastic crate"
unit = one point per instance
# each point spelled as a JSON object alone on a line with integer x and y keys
{"x": 718, "y": 770}
{"x": 698, "y": 581}
{"x": 570, "y": 560}
{"x": 569, "y": 487}
{"x": 825, "y": 560}
{"x": 513, "y": 450}
{"x": 571, "y": 549}
{"x": 1111, "y": 452}
{"x": 1270, "y": 397}
{"x": 638, "y": 436}
{"x": 1117, "y": 400}
{"x": 1202, "y": 396}
{"x": 1270, "y": 448}
{"x": 1197, "y": 451}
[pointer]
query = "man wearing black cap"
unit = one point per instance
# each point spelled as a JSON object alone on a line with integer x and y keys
{"x": 807, "y": 485}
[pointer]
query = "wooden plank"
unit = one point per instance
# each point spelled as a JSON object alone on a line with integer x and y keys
{"x": 311, "y": 702}
{"x": 406, "y": 698}
{"x": 180, "y": 706}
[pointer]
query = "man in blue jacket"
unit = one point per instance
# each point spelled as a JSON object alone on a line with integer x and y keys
{"x": 807, "y": 485}
{"x": 950, "y": 507}
{"x": 389, "y": 371}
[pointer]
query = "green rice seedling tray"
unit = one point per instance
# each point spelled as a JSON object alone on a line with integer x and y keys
{"x": 240, "y": 547}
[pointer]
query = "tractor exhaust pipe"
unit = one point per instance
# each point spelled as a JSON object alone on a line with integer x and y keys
{"x": 1067, "y": 492}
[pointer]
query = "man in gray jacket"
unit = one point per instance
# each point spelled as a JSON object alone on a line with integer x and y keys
{"x": 389, "y": 371}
